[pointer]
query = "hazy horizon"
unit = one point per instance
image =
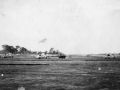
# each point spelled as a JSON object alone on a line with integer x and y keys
{"x": 71, "y": 26}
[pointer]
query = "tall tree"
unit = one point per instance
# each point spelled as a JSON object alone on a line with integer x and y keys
{"x": 23, "y": 50}
{"x": 9, "y": 49}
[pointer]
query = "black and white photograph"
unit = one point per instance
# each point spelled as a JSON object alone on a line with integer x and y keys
{"x": 59, "y": 44}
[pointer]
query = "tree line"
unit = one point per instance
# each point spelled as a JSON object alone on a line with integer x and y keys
{"x": 15, "y": 50}
{"x": 22, "y": 50}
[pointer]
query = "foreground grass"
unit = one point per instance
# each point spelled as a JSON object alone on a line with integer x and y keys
{"x": 78, "y": 75}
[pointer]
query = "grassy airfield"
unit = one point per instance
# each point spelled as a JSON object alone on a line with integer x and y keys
{"x": 78, "y": 73}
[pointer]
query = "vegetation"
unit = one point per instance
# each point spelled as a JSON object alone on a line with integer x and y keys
{"x": 52, "y": 51}
{"x": 22, "y": 50}
{"x": 14, "y": 50}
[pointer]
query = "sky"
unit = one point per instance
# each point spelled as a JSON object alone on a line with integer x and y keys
{"x": 71, "y": 26}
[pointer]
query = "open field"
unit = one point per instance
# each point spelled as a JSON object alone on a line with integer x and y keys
{"x": 35, "y": 61}
{"x": 62, "y": 75}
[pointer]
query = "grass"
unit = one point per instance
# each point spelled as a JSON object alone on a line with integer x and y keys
{"x": 62, "y": 75}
